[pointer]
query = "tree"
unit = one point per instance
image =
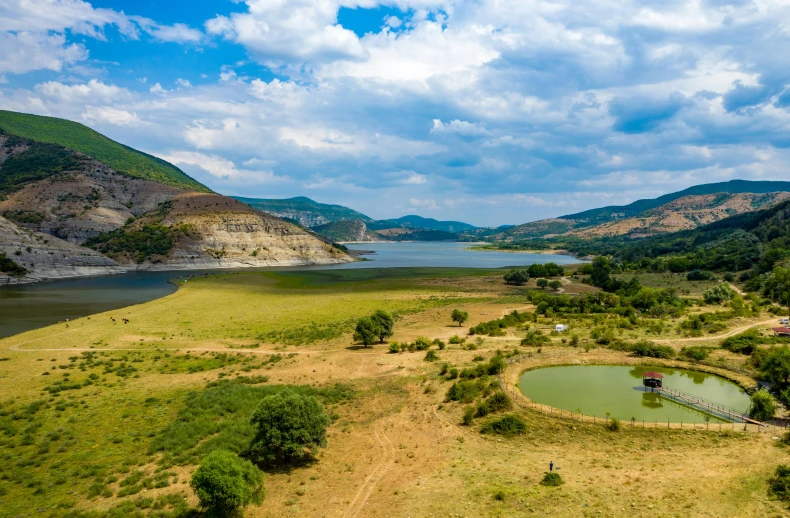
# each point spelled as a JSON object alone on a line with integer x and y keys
{"x": 459, "y": 316}
{"x": 517, "y": 277}
{"x": 775, "y": 368}
{"x": 385, "y": 323}
{"x": 367, "y": 331}
{"x": 542, "y": 283}
{"x": 763, "y": 406}
{"x": 601, "y": 272}
{"x": 555, "y": 285}
{"x": 537, "y": 270}
{"x": 554, "y": 270}
{"x": 224, "y": 483}
{"x": 777, "y": 286}
{"x": 290, "y": 428}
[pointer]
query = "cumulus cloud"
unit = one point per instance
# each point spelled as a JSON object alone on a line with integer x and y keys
{"x": 92, "y": 91}
{"x": 109, "y": 115}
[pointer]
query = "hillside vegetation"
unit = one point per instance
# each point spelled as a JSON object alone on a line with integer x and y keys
{"x": 78, "y": 137}
{"x": 304, "y": 211}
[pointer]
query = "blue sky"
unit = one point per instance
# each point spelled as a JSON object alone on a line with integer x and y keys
{"x": 486, "y": 111}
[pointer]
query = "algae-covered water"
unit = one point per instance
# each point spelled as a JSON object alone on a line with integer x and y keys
{"x": 617, "y": 389}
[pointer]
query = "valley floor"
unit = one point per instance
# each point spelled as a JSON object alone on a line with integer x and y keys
{"x": 90, "y": 409}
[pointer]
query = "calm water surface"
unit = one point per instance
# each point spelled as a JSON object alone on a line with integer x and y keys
{"x": 23, "y": 308}
{"x": 598, "y": 389}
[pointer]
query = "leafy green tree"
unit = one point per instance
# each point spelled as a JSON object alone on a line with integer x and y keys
{"x": 537, "y": 270}
{"x": 763, "y": 406}
{"x": 367, "y": 331}
{"x": 777, "y": 286}
{"x": 290, "y": 428}
{"x": 225, "y": 483}
{"x": 601, "y": 272}
{"x": 517, "y": 277}
{"x": 718, "y": 294}
{"x": 775, "y": 367}
{"x": 385, "y": 323}
{"x": 555, "y": 285}
{"x": 554, "y": 270}
{"x": 459, "y": 316}
{"x": 542, "y": 283}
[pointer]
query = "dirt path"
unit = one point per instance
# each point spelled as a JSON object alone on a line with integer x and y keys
{"x": 728, "y": 334}
{"x": 371, "y": 482}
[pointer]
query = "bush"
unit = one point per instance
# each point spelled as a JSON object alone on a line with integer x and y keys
{"x": 508, "y": 426}
{"x": 763, "y": 406}
{"x": 452, "y": 373}
{"x": 651, "y": 350}
{"x": 224, "y": 483}
{"x": 422, "y": 343}
{"x": 498, "y": 402}
{"x": 456, "y": 340}
{"x": 696, "y": 353}
{"x": 779, "y": 484}
{"x": 439, "y": 344}
{"x": 469, "y": 416}
{"x": 465, "y": 391}
{"x": 394, "y": 348}
{"x": 11, "y": 267}
{"x": 551, "y": 480}
{"x": 718, "y": 294}
{"x": 614, "y": 425}
{"x": 534, "y": 338}
{"x": 291, "y": 427}
{"x": 482, "y": 410}
{"x": 431, "y": 356}
{"x": 699, "y": 275}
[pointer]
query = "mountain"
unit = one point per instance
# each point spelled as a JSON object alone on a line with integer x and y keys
{"x": 418, "y": 222}
{"x": 347, "y": 231}
{"x": 673, "y": 212}
{"x": 610, "y": 213}
{"x": 65, "y": 213}
{"x": 304, "y": 211}
{"x": 80, "y": 138}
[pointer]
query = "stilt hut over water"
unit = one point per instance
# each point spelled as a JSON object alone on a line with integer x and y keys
{"x": 652, "y": 379}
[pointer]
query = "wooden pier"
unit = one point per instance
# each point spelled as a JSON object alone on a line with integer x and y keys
{"x": 705, "y": 405}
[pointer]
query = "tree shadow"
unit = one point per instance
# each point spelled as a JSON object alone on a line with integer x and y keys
{"x": 358, "y": 347}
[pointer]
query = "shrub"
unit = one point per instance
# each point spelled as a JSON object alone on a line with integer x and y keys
{"x": 444, "y": 368}
{"x": 456, "y": 340}
{"x": 224, "y": 483}
{"x": 696, "y": 353}
{"x": 763, "y": 406}
{"x": 718, "y": 294}
{"x": 469, "y": 416}
{"x": 551, "y": 479}
{"x": 555, "y": 285}
{"x": 11, "y": 267}
{"x": 438, "y": 343}
{"x": 482, "y": 410}
{"x": 498, "y": 402}
{"x": 394, "y": 348}
{"x": 465, "y": 391}
{"x": 744, "y": 343}
{"x": 452, "y": 373}
{"x": 699, "y": 275}
{"x": 431, "y": 356}
{"x": 779, "y": 484}
{"x": 422, "y": 343}
{"x": 290, "y": 427}
{"x": 651, "y": 350}
{"x": 508, "y": 425}
{"x": 613, "y": 425}
{"x": 534, "y": 338}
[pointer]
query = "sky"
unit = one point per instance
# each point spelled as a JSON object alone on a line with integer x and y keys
{"x": 487, "y": 111}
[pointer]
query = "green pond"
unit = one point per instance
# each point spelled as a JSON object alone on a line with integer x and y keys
{"x": 617, "y": 389}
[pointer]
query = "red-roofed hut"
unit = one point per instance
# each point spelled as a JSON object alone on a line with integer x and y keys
{"x": 782, "y": 331}
{"x": 652, "y": 379}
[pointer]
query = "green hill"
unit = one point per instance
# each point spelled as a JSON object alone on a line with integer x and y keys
{"x": 418, "y": 222}
{"x": 306, "y": 212}
{"x": 78, "y": 137}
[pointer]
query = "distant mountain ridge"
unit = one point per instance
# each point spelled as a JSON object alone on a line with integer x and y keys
{"x": 304, "y": 211}
{"x": 673, "y": 212}
{"x": 414, "y": 221}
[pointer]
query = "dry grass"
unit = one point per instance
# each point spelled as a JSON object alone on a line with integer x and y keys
{"x": 395, "y": 449}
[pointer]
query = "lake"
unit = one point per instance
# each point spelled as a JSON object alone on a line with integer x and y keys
{"x": 27, "y": 307}
{"x": 617, "y": 389}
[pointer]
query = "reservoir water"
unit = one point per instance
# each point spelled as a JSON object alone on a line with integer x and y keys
{"x": 27, "y": 307}
{"x": 598, "y": 389}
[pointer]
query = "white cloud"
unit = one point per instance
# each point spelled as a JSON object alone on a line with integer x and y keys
{"x": 423, "y": 204}
{"x": 183, "y": 82}
{"x": 92, "y": 91}
{"x": 111, "y": 116}
{"x": 463, "y": 128}
{"x": 27, "y": 51}
{"x": 278, "y": 31}
{"x": 157, "y": 89}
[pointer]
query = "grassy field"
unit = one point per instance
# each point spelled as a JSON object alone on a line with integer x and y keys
{"x": 99, "y": 417}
